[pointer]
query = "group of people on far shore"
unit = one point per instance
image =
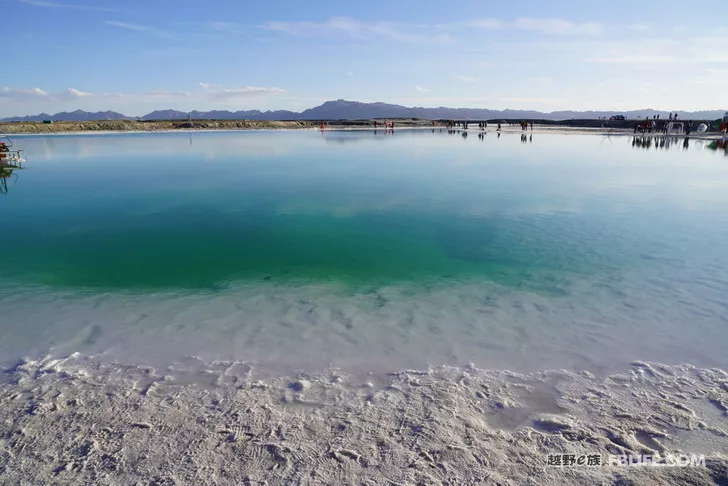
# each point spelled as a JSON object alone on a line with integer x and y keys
{"x": 385, "y": 124}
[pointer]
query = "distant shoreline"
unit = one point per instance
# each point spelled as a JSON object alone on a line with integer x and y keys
{"x": 105, "y": 127}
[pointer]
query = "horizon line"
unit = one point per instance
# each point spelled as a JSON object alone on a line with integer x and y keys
{"x": 602, "y": 112}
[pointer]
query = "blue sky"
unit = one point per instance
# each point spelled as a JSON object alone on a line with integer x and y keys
{"x": 135, "y": 56}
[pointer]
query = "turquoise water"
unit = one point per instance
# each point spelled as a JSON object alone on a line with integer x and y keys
{"x": 416, "y": 247}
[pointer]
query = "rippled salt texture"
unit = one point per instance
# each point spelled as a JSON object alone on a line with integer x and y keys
{"x": 366, "y": 251}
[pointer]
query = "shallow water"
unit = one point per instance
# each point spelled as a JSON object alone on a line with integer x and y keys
{"x": 367, "y": 251}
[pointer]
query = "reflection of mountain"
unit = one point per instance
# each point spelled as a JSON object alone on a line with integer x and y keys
{"x": 205, "y": 144}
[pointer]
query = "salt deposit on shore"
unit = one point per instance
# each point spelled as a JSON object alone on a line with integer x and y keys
{"x": 82, "y": 421}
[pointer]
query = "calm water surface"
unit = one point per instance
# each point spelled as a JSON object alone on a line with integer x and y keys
{"x": 364, "y": 250}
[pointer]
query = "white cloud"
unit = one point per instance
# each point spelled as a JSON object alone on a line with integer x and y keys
{"x": 541, "y": 101}
{"x": 246, "y": 91}
{"x": 639, "y": 27}
{"x": 142, "y": 28}
{"x": 162, "y": 94}
{"x": 74, "y": 93}
{"x": 37, "y": 93}
{"x": 558, "y": 27}
{"x": 634, "y": 59}
{"x": 361, "y": 31}
{"x": 421, "y": 89}
{"x": 486, "y": 24}
{"x": 6, "y": 92}
{"x": 539, "y": 79}
{"x": 353, "y": 29}
{"x": 651, "y": 52}
{"x": 349, "y": 73}
{"x": 34, "y": 98}
{"x": 464, "y": 79}
{"x": 221, "y": 92}
{"x": 548, "y": 26}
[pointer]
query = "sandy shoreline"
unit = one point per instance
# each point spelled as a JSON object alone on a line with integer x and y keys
{"x": 80, "y": 420}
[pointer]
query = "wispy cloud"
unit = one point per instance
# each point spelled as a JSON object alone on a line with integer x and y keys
{"x": 37, "y": 93}
{"x": 480, "y": 24}
{"x": 635, "y": 59}
{"x": 657, "y": 51}
{"x": 6, "y": 92}
{"x": 74, "y": 93}
{"x": 640, "y": 27}
{"x": 547, "y": 26}
{"x": 226, "y": 27}
{"x": 464, "y": 79}
{"x": 221, "y": 92}
{"x": 361, "y": 31}
{"x": 71, "y": 6}
{"x": 485, "y": 24}
{"x": 162, "y": 93}
{"x": 539, "y": 79}
{"x": 142, "y": 28}
{"x": 421, "y": 89}
{"x": 544, "y": 101}
{"x": 558, "y": 27}
{"x": 208, "y": 93}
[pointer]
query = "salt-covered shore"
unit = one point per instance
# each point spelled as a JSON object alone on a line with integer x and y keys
{"x": 82, "y": 421}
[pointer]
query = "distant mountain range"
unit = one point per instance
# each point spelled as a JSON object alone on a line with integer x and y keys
{"x": 353, "y": 110}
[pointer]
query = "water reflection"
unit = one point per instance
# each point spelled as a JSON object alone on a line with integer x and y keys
{"x": 719, "y": 145}
{"x": 7, "y": 170}
{"x": 661, "y": 143}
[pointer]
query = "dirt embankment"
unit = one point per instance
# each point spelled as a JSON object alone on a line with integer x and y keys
{"x": 157, "y": 125}
{"x": 129, "y": 125}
